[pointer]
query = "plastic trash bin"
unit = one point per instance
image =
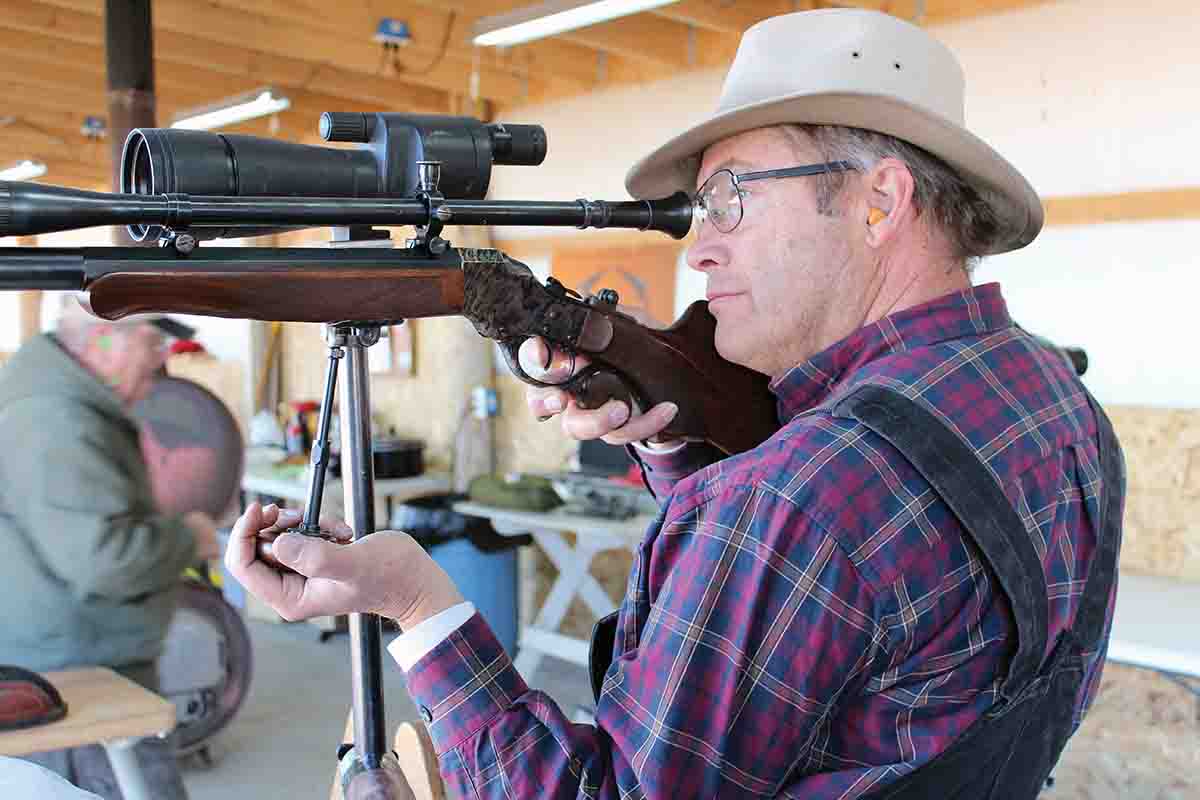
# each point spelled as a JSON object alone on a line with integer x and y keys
{"x": 481, "y": 562}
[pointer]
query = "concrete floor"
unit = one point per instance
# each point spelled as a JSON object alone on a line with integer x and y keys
{"x": 1141, "y": 741}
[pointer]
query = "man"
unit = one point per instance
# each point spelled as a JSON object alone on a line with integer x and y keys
{"x": 883, "y": 599}
{"x": 90, "y": 562}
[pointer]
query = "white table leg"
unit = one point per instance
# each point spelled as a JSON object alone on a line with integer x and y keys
{"x": 126, "y": 770}
{"x": 567, "y": 559}
{"x": 573, "y": 578}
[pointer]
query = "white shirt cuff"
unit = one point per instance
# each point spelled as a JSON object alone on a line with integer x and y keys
{"x": 659, "y": 451}
{"x": 411, "y": 646}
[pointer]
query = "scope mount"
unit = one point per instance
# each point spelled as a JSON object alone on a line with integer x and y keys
{"x": 428, "y": 237}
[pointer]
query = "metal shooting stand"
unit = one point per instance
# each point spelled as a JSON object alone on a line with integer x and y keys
{"x": 350, "y": 340}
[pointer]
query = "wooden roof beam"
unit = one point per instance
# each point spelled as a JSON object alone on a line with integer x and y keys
{"x": 178, "y": 55}
{"x": 723, "y": 16}
{"x": 639, "y": 37}
{"x": 205, "y": 22}
{"x": 557, "y": 68}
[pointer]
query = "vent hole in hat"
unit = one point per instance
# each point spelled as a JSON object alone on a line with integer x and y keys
{"x": 896, "y": 65}
{"x": 856, "y": 54}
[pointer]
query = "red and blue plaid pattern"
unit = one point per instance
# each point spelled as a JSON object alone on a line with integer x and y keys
{"x": 806, "y": 619}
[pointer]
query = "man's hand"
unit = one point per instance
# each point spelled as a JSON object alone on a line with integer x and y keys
{"x": 386, "y": 573}
{"x": 204, "y": 529}
{"x": 614, "y": 422}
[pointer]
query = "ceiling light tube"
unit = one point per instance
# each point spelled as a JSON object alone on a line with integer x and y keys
{"x": 232, "y": 111}
{"x": 554, "y": 16}
{"x": 25, "y": 171}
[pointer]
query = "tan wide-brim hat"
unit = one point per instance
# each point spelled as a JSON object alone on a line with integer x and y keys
{"x": 855, "y": 68}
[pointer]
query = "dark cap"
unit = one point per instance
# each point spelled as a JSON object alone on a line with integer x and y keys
{"x": 173, "y": 327}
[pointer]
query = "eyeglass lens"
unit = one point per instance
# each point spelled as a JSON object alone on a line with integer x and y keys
{"x": 719, "y": 202}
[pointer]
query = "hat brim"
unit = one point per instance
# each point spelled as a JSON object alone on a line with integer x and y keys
{"x": 674, "y": 166}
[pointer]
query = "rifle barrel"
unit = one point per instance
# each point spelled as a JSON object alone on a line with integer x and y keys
{"x": 54, "y": 269}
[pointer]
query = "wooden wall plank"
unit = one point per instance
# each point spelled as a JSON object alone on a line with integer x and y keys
{"x": 1139, "y": 206}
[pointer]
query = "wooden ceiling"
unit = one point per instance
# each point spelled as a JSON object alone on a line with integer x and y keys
{"x": 322, "y": 56}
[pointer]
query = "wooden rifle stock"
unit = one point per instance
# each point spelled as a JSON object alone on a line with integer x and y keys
{"x": 296, "y": 295}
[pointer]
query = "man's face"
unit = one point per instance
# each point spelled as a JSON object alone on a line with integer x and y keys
{"x": 131, "y": 359}
{"x": 774, "y": 281}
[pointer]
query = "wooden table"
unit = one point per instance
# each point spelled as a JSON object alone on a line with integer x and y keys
{"x": 102, "y": 708}
{"x": 264, "y": 482}
{"x": 548, "y": 528}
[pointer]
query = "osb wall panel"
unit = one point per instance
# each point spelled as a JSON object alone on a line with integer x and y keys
{"x": 522, "y": 443}
{"x": 1162, "y": 508}
{"x": 225, "y": 378}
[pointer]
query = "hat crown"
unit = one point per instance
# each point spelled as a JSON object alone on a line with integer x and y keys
{"x": 848, "y": 51}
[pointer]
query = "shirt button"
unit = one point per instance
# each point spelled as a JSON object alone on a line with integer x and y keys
{"x": 426, "y": 714}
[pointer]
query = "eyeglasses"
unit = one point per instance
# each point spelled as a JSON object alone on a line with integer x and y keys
{"x": 720, "y": 197}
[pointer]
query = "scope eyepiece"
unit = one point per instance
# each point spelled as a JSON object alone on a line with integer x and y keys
{"x": 518, "y": 145}
{"x": 347, "y": 126}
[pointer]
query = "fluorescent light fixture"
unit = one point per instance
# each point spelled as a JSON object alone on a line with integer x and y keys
{"x": 554, "y": 16}
{"x": 259, "y": 103}
{"x": 25, "y": 171}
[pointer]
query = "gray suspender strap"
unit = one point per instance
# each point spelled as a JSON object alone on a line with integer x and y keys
{"x": 963, "y": 482}
{"x": 1102, "y": 566}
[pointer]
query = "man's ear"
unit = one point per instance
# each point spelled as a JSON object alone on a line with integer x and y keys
{"x": 889, "y": 200}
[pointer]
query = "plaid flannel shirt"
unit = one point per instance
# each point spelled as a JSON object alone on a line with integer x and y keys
{"x": 806, "y": 619}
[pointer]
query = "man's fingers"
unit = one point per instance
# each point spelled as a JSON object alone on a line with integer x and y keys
{"x": 643, "y": 426}
{"x": 592, "y": 424}
{"x": 315, "y": 557}
{"x": 534, "y": 356}
{"x": 240, "y": 551}
{"x": 241, "y": 559}
{"x": 337, "y": 528}
{"x": 545, "y": 403}
{"x": 548, "y": 366}
{"x": 277, "y": 519}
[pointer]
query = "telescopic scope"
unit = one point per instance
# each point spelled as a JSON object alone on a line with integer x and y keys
{"x": 158, "y": 161}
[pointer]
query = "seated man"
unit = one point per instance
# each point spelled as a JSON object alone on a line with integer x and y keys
{"x": 906, "y": 591}
{"x": 90, "y": 562}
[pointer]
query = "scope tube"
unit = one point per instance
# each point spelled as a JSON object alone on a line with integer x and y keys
{"x": 31, "y": 209}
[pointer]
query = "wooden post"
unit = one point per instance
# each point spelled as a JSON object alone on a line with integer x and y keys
{"x": 129, "y": 47}
{"x": 29, "y": 313}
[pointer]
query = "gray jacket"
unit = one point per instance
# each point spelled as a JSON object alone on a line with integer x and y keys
{"x": 87, "y": 565}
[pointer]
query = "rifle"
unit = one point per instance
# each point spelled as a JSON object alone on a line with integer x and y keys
{"x": 181, "y": 187}
{"x": 719, "y": 402}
